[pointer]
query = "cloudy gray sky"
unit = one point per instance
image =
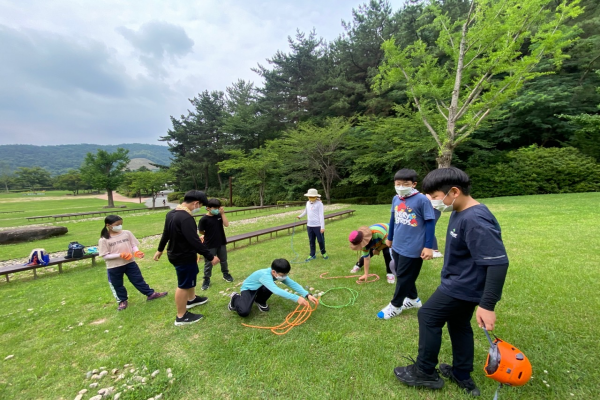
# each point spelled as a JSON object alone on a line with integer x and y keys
{"x": 110, "y": 72}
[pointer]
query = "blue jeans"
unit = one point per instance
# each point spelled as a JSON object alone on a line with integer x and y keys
{"x": 314, "y": 232}
{"x": 115, "y": 280}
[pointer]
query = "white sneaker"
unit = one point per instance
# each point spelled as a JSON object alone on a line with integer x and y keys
{"x": 391, "y": 278}
{"x": 355, "y": 269}
{"x": 437, "y": 254}
{"x": 389, "y": 311}
{"x": 411, "y": 303}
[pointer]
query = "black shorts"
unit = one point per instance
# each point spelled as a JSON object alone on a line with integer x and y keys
{"x": 186, "y": 275}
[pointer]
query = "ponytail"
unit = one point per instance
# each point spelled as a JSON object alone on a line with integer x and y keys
{"x": 109, "y": 220}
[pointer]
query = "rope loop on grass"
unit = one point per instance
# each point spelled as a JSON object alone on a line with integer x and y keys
{"x": 374, "y": 276}
{"x": 297, "y": 317}
{"x": 350, "y": 302}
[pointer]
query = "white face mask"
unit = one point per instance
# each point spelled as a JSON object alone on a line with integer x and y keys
{"x": 280, "y": 278}
{"x": 117, "y": 228}
{"x": 439, "y": 204}
{"x": 403, "y": 190}
{"x": 196, "y": 210}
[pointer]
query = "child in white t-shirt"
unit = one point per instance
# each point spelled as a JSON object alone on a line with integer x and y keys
{"x": 118, "y": 247}
{"x": 315, "y": 224}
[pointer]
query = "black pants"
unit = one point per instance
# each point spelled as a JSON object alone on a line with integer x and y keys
{"x": 243, "y": 303}
{"x": 314, "y": 232}
{"x": 407, "y": 272}
{"x": 220, "y": 252}
{"x": 441, "y": 309}
{"x": 386, "y": 256}
{"x": 115, "y": 280}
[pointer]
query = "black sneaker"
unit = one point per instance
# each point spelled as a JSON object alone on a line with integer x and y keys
{"x": 205, "y": 284}
{"x": 263, "y": 307}
{"x": 468, "y": 385}
{"x": 228, "y": 277}
{"x": 196, "y": 302}
{"x": 188, "y": 318}
{"x": 230, "y": 305}
{"x": 413, "y": 376}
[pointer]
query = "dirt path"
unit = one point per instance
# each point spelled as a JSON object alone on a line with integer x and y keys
{"x": 118, "y": 197}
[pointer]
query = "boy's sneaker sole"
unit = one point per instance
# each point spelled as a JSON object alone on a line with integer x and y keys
{"x": 188, "y": 319}
{"x": 230, "y": 305}
{"x": 228, "y": 278}
{"x": 262, "y": 308}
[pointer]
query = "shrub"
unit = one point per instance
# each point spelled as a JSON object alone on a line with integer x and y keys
{"x": 537, "y": 170}
{"x": 175, "y": 197}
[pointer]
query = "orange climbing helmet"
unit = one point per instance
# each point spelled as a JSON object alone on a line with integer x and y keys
{"x": 506, "y": 364}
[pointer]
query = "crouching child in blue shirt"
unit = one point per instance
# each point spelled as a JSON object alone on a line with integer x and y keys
{"x": 260, "y": 285}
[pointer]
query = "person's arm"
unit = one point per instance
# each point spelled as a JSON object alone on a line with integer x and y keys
{"x": 492, "y": 293}
{"x": 390, "y": 236}
{"x": 188, "y": 229}
{"x": 224, "y": 217}
{"x": 164, "y": 239}
{"x": 321, "y": 217}
{"x": 298, "y": 288}
{"x": 267, "y": 281}
{"x": 367, "y": 264}
{"x": 303, "y": 213}
{"x": 201, "y": 228}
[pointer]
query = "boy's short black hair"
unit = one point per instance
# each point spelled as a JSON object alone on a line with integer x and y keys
{"x": 406, "y": 175}
{"x": 213, "y": 203}
{"x": 281, "y": 265}
{"x": 195, "y": 195}
{"x": 444, "y": 179}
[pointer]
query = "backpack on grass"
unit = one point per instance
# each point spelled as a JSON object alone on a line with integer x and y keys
{"x": 75, "y": 250}
{"x": 38, "y": 257}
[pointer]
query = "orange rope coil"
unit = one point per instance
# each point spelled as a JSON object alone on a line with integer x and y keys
{"x": 374, "y": 276}
{"x": 297, "y": 317}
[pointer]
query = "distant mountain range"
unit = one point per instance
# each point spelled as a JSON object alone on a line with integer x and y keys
{"x": 61, "y": 158}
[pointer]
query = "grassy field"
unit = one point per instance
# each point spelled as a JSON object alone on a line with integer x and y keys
{"x": 59, "y": 327}
{"x": 87, "y": 230}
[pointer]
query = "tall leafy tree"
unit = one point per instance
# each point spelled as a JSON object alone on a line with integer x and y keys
{"x": 150, "y": 182}
{"x": 313, "y": 153}
{"x": 244, "y": 123}
{"x": 253, "y": 169}
{"x": 105, "y": 170}
{"x": 197, "y": 139}
{"x": 478, "y": 63}
{"x": 5, "y": 174}
{"x": 70, "y": 181}
{"x": 33, "y": 178}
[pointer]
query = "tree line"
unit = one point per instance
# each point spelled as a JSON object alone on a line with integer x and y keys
{"x": 484, "y": 85}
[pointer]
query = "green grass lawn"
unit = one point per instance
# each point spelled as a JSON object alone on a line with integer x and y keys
{"x": 87, "y": 230}
{"x": 59, "y": 327}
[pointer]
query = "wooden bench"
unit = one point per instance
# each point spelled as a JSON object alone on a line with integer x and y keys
{"x": 10, "y": 269}
{"x": 90, "y": 213}
{"x": 255, "y": 234}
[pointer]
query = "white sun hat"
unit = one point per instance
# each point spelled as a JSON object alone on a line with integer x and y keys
{"x": 312, "y": 193}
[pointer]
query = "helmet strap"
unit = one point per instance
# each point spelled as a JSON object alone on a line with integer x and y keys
{"x": 497, "y": 389}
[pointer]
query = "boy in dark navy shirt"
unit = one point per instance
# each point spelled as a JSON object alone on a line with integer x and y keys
{"x": 475, "y": 267}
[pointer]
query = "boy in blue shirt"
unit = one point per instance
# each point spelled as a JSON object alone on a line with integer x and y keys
{"x": 260, "y": 285}
{"x": 475, "y": 267}
{"x": 411, "y": 232}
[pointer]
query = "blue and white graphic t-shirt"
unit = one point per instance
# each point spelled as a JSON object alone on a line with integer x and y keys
{"x": 409, "y": 216}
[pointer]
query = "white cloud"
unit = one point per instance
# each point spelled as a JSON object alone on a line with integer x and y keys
{"x": 111, "y": 71}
